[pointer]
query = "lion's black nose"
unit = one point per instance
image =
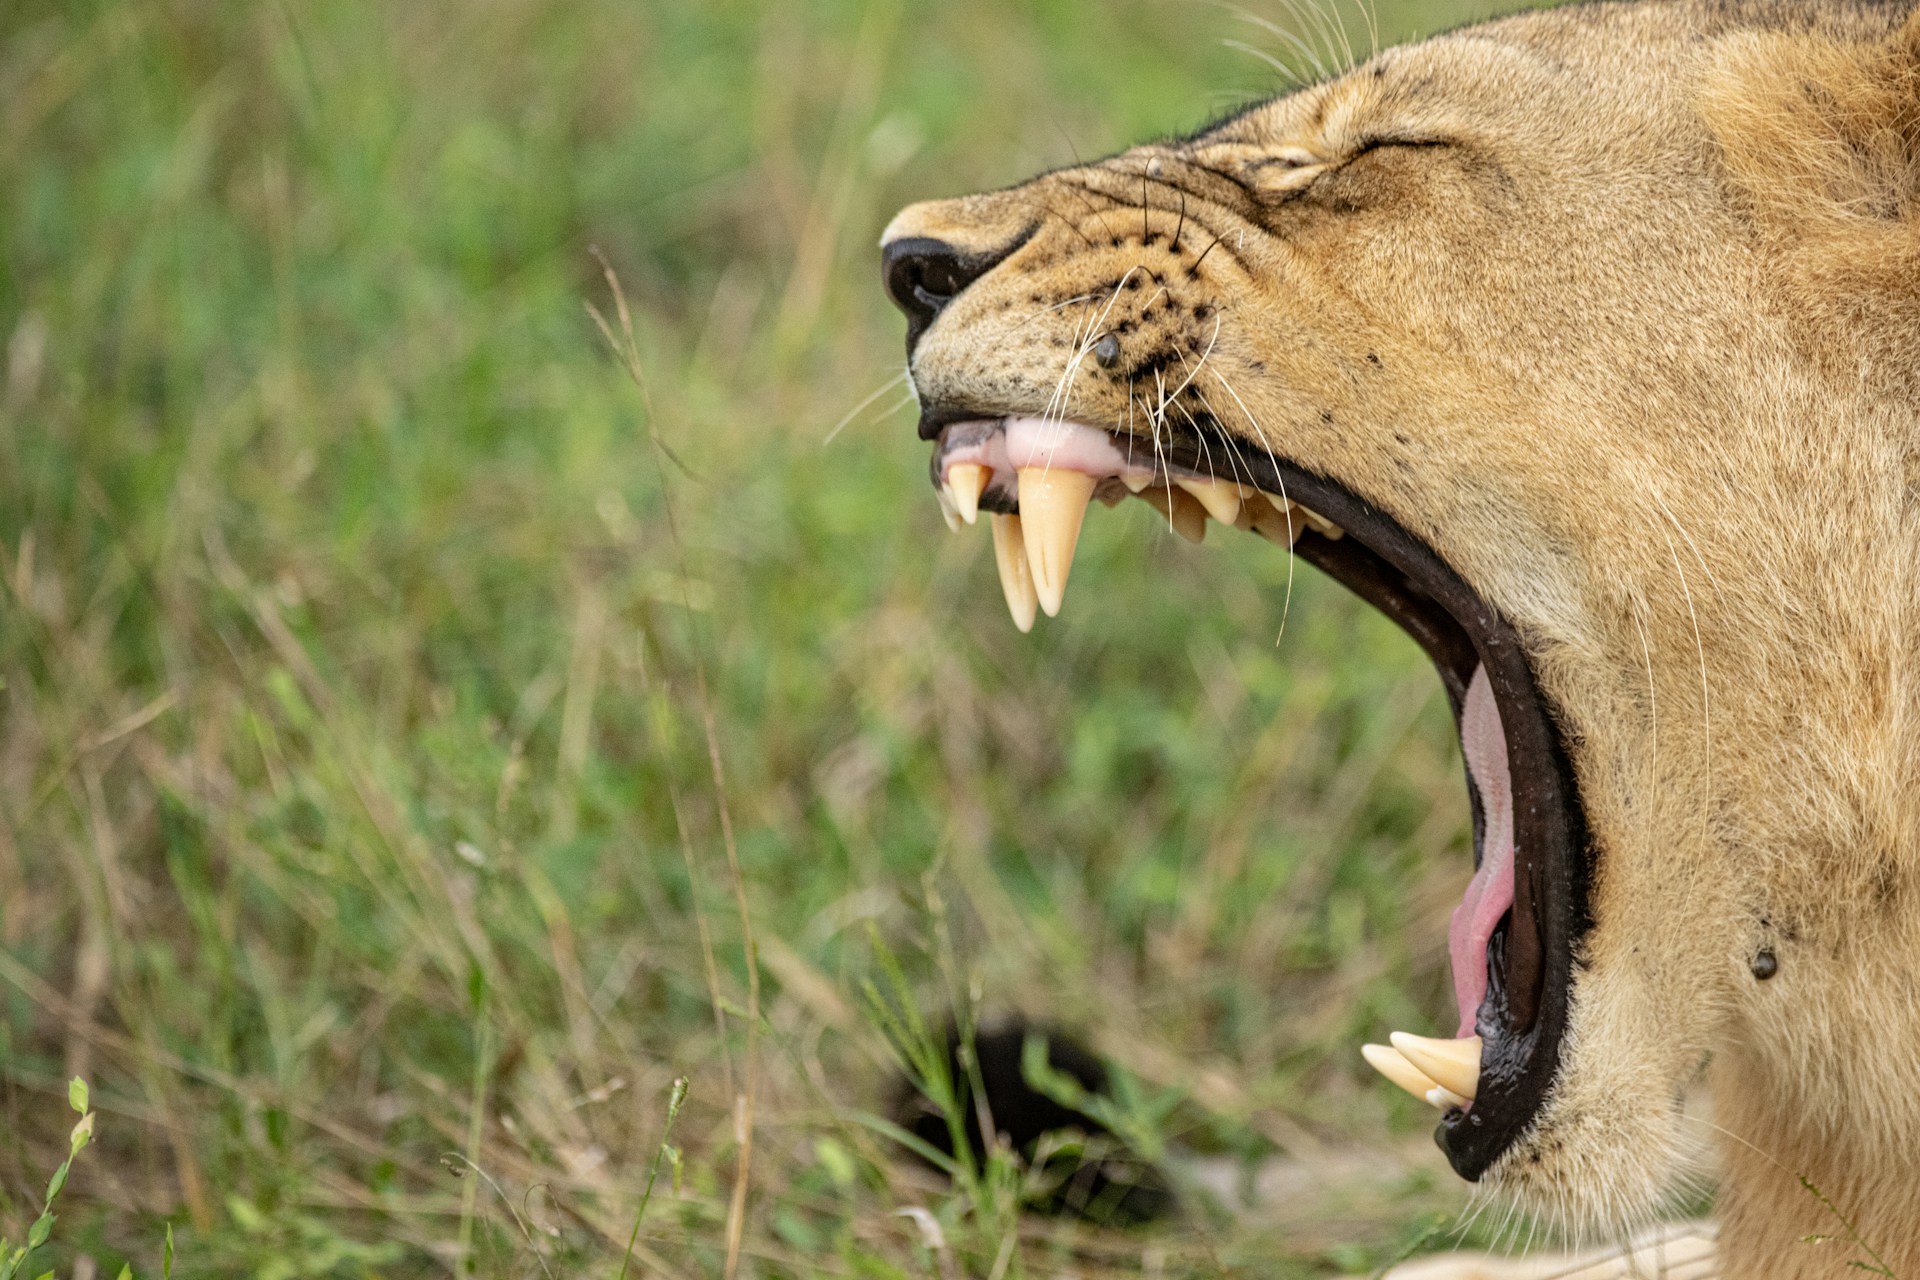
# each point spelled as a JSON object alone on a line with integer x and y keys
{"x": 923, "y": 275}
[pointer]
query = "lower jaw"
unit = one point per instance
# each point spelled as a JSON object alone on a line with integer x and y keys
{"x": 1522, "y": 1019}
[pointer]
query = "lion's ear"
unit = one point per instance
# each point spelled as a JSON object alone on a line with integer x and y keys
{"x": 1821, "y": 139}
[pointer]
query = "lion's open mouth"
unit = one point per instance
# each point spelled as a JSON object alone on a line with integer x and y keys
{"x": 1514, "y": 934}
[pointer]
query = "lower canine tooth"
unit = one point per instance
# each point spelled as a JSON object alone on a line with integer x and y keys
{"x": 948, "y": 511}
{"x": 1016, "y": 580}
{"x": 1274, "y": 525}
{"x": 1221, "y": 499}
{"x": 968, "y": 480}
{"x": 1053, "y": 502}
{"x": 1452, "y": 1064}
{"x": 1390, "y": 1064}
{"x": 1321, "y": 525}
{"x": 1182, "y": 510}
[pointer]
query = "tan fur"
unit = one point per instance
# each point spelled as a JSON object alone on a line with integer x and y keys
{"x": 1637, "y": 355}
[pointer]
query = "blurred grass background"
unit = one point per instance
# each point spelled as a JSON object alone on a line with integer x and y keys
{"x": 358, "y": 825}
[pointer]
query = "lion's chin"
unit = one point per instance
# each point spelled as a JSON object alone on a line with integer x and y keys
{"x": 1513, "y": 936}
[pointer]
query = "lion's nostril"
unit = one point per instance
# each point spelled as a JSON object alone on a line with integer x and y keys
{"x": 923, "y": 275}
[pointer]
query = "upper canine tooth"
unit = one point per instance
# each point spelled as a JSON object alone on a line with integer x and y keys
{"x": 1182, "y": 510}
{"x": 1451, "y": 1064}
{"x": 1390, "y": 1064}
{"x": 1219, "y": 497}
{"x": 1053, "y": 502}
{"x": 1016, "y": 579}
{"x": 968, "y": 480}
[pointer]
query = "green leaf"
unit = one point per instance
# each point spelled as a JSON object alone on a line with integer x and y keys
{"x": 42, "y": 1228}
{"x": 46, "y": 1275}
{"x": 58, "y": 1181}
{"x": 837, "y": 1161}
{"x": 77, "y": 1095}
{"x": 166, "y": 1258}
{"x": 126, "y": 1271}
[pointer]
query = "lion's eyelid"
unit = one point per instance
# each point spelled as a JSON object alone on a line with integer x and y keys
{"x": 1296, "y": 157}
{"x": 1375, "y": 141}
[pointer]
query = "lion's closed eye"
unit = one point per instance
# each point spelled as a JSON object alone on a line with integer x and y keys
{"x": 1291, "y": 170}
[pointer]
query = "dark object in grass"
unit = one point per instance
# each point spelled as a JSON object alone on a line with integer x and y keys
{"x": 1098, "y": 1180}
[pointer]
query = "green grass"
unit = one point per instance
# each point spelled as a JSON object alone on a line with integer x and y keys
{"x": 360, "y": 839}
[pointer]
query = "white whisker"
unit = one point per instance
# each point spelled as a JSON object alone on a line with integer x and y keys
{"x": 885, "y": 387}
{"x": 1307, "y": 51}
{"x": 1286, "y": 603}
{"x": 1044, "y": 312}
{"x": 1706, "y": 701}
{"x": 1287, "y": 74}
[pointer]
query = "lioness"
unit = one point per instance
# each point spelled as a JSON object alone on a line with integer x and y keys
{"x": 1586, "y": 345}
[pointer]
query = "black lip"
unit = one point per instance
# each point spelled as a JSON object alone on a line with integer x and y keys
{"x": 1523, "y": 1019}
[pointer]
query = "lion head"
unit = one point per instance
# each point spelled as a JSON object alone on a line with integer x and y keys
{"x": 1583, "y": 344}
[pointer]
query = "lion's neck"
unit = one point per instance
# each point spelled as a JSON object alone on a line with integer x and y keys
{"x": 1818, "y": 1102}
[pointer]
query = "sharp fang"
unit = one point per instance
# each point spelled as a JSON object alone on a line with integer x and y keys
{"x": 1276, "y": 526}
{"x": 1220, "y": 498}
{"x": 1322, "y": 526}
{"x": 968, "y": 481}
{"x": 1053, "y": 502}
{"x": 1182, "y": 510}
{"x": 1451, "y": 1064}
{"x": 1390, "y": 1064}
{"x": 1016, "y": 579}
{"x": 1446, "y": 1099}
{"x": 947, "y": 510}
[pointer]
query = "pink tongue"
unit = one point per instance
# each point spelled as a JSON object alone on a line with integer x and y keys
{"x": 1491, "y": 891}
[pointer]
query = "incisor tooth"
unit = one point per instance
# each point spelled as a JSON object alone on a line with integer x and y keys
{"x": 1390, "y": 1064}
{"x": 1451, "y": 1064}
{"x": 1136, "y": 480}
{"x": 1016, "y": 580}
{"x": 1182, "y": 510}
{"x": 1053, "y": 502}
{"x": 968, "y": 480}
{"x": 1219, "y": 497}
